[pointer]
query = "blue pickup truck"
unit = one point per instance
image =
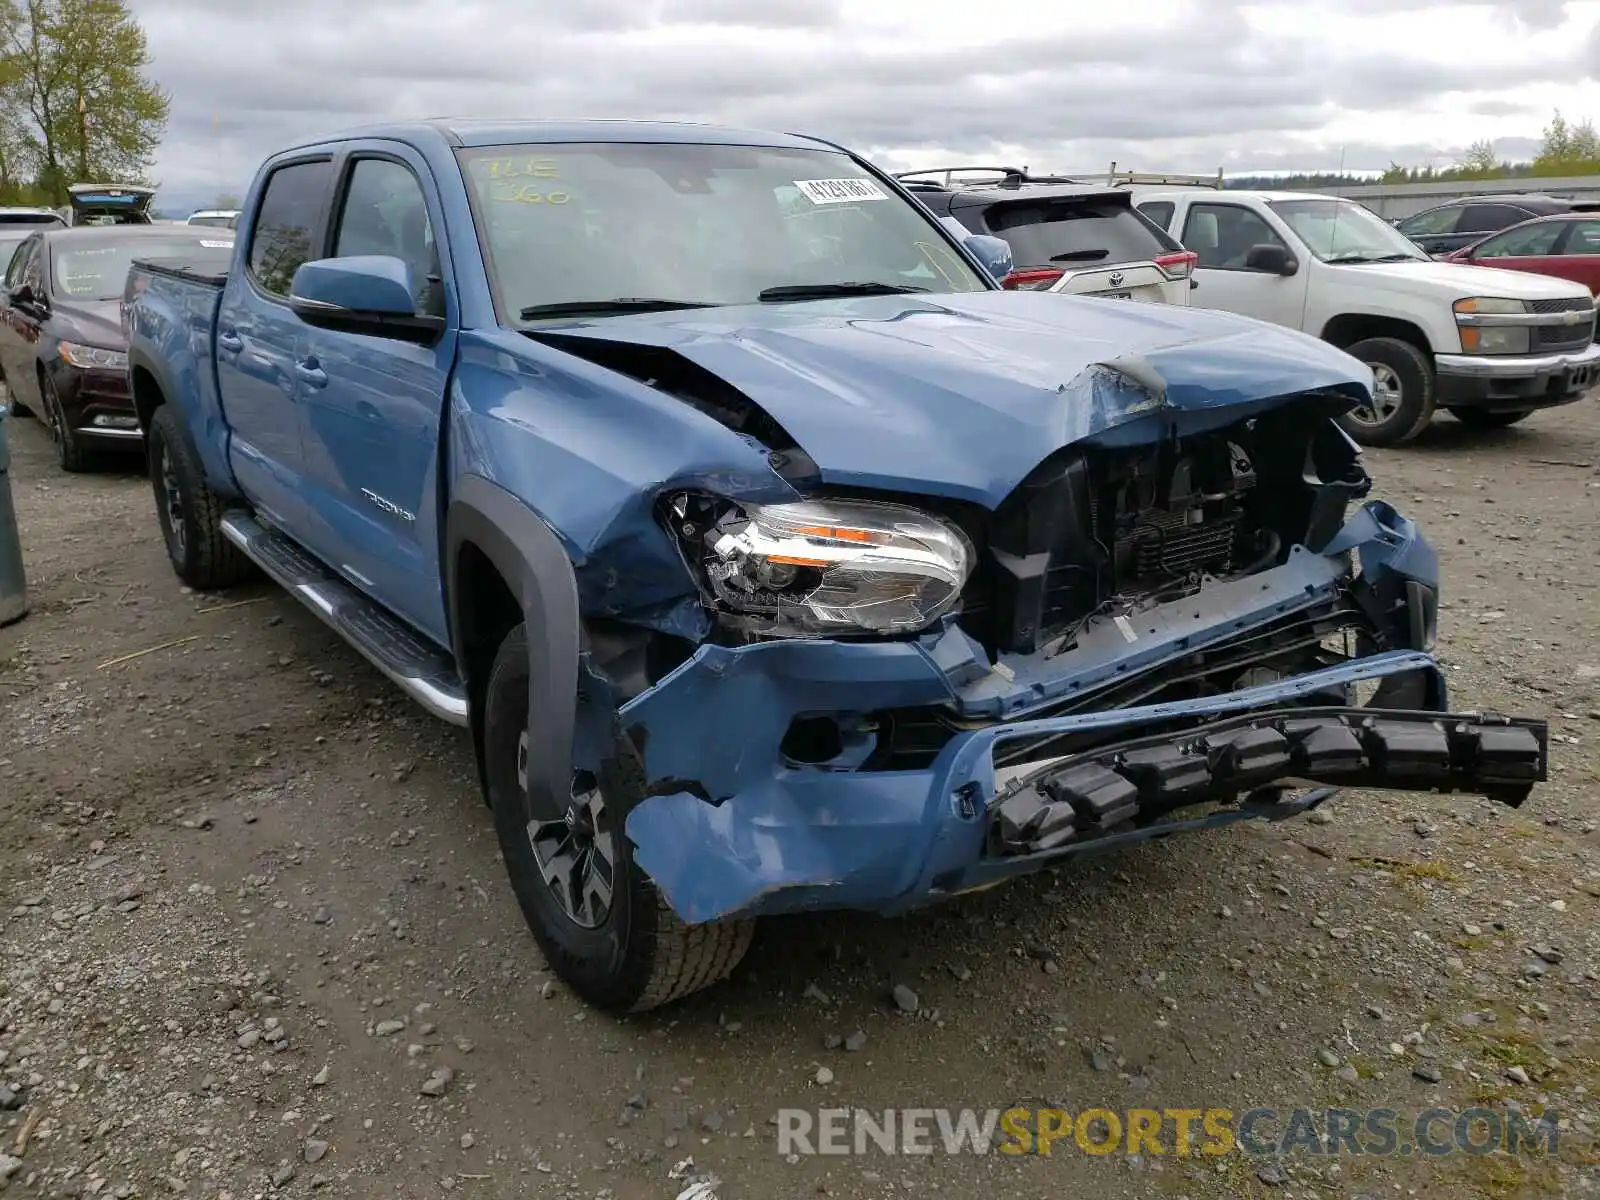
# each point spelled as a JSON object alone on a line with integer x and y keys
{"x": 776, "y": 558}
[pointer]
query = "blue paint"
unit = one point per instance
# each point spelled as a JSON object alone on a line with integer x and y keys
{"x": 373, "y": 283}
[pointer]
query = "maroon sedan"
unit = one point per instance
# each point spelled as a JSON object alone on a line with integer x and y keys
{"x": 63, "y": 352}
{"x": 1566, "y": 245}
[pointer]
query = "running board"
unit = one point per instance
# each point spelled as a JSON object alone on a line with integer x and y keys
{"x": 426, "y": 674}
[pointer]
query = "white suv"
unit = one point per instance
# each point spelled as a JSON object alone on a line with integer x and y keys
{"x": 1065, "y": 236}
{"x": 1488, "y": 346}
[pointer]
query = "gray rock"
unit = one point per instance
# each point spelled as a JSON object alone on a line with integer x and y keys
{"x": 813, "y": 992}
{"x": 1423, "y": 829}
{"x": 1348, "y": 1074}
{"x": 249, "y": 1039}
{"x": 9, "y": 1166}
{"x": 388, "y": 1028}
{"x": 1517, "y": 1075}
{"x": 315, "y": 1151}
{"x": 824, "y": 1076}
{"x": 856, "y": 1041}
{"x": 320, "y": 1079}
{"x": 1272, "y": 1174}
{"x": 712, "y": 1122}
{"x": 1328, "y": 1058}
{"x": 468, "y": 1141}
{"x": 438, "y": 1083}
{"x": 1550, "y": 955}
{"x": 833, "y": 1041}
{"x": 284, "y": 1175}
{"x": 1427, "y": 1073}
{"x": 10, "y": 1099}
{"x": 905, "y": 999}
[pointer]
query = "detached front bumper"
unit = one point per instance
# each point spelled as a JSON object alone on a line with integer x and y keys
{"x": 1516, "y": 383}
{"x": 733, "y": 825}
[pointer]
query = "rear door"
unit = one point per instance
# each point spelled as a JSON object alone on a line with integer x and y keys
{"x": 1222, "y": 233}
{"x": 260, "y": 342}
{"x": 372, "y": 406}
{"x": 1480, "y": 219}
{"x": 1579, "y": 253}
{"x": 111, "y": 206}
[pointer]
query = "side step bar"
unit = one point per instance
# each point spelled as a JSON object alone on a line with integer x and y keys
{"x": 426, "y": 674}
{"x": 1111, "y": 789}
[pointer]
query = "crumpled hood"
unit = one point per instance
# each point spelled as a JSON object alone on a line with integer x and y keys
{"x": 963, "y": 395}
{"x": 93, "y": 322}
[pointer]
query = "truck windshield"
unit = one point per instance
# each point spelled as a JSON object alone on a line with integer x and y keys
{"x": 583, "y": 224}
{"x": 1343, "y": 231}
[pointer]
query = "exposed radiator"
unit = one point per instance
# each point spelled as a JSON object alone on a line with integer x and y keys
{"x": 1164, "y": 544}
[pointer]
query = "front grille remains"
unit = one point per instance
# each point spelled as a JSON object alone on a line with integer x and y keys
{"x": 1566, "y": 304}
{"x": 1563, "y": 337}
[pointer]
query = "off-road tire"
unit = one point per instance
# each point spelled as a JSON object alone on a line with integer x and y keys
{"x": 72, "y": 455}
{"x": 642, "y": 955}
{"x": 1479, "y": 418}
{"x": 202, "y": 556}
{"x": 1418, "y": 391}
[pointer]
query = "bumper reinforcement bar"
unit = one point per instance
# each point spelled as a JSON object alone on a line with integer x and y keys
{"x": 1116, "y": 788}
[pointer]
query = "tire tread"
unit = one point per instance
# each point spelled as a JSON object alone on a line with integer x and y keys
{"x": 213, "y": 562}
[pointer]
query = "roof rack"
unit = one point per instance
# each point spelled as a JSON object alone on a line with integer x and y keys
{"x": 1010, "y": 177}
{"x": 1116, "y": 178}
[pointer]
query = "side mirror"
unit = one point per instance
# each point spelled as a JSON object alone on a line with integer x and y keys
{"x": 994, "y": 253}
{"x": 1272, "y": 259}
{"x": 23, "y": 296}
{"x": 371, "y": 294}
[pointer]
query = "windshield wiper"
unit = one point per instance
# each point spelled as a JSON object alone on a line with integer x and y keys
{"x": 617, "y": 304}
{"x": 821, "y": 291}
{"x": 1350, "y": 258}
{"x": 1087, "y": 255}
{"x": 1369, "y": 258}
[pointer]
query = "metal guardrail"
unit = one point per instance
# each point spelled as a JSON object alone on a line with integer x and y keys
{"x": 13, "y": 580}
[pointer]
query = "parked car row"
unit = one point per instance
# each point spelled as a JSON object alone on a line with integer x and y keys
{"x": 1486, "y": 347}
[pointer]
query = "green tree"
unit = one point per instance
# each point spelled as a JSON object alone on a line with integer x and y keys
{"x": 89, "y": 112}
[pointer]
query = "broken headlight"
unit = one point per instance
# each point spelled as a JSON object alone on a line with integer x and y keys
{"x": 819, "y": 567}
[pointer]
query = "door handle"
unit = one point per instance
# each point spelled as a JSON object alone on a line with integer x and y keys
{"x": 311, "y": 373}
{"x": 231, "y": 342}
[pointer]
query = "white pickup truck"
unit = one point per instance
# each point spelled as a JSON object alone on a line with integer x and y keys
{"x": 1488, "y": 346}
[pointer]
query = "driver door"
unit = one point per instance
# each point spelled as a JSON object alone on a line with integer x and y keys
{"x": 1222, "y": 235}
{"x": 19, "y": 332}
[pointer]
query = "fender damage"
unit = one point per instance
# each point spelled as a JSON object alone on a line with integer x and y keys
{"x": 780, "y": 773}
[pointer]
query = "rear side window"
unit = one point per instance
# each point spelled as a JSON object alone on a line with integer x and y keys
{"x": 1486, "y": 218}
{"x": 1159, "y": 211}
{"x": 1584, "y": 238}
{"x": 1534, "y": 239}
{"x": 286, "y": 224}
{"x": 1097, "y": 231}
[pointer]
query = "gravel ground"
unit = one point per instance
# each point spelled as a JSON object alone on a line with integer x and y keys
{"x": 255, "y": 939}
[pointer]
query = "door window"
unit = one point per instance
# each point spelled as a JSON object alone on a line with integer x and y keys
{"x": 19, "y": 262}
{"x": 1584, "y": 238}
{"x": 1486, "y": 218}
{"x": 1159, "y": 211}
{"x": 1522, "y": 242}
{"x": 1432, "y": 223}
{"x": 286, "y": 224}
{"x": 385, "y": 213}
{"x": 1222, "y": 235}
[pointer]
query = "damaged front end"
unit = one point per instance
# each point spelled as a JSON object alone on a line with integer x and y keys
{"x": 904, "y": 697}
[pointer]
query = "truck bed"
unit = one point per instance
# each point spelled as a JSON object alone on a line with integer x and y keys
{"x": 209, "y": 270}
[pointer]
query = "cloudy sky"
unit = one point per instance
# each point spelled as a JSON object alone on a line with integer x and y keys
{"x": 1154, "y": 84}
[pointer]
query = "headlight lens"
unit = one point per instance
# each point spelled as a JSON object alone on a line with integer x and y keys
{"x": 1487, "y": 305}
{"x": 93, "y": 357}
{"x": 1481, "y": 333}
{"x": 837, "y": 566}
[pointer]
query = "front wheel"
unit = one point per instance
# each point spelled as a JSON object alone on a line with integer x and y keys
{"x": 70, "y": 450}
{"x": 1478, "y": 418}
{"x": 1402, "y": 393}
{"x": 601, "y": 923}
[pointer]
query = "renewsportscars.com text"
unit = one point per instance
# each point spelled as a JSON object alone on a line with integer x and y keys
{"x": 1259, "y": 1132}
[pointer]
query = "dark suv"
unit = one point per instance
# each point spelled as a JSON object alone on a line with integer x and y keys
{"x": 1065, "y": 235}
{"x": 1449, "y": 227}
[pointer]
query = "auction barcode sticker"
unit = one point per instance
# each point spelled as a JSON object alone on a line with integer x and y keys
{"x": 839, "y": 191}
